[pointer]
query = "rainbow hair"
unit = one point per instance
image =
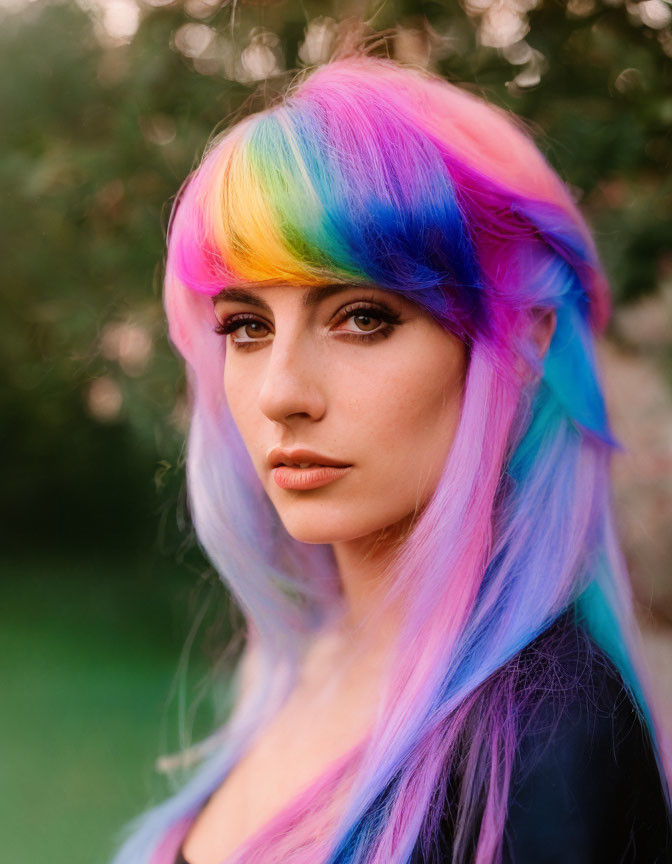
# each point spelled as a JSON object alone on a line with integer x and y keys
{"x": 369, "y": 171}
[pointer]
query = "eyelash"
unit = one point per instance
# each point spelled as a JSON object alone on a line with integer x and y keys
{"x": 390, "y": 318}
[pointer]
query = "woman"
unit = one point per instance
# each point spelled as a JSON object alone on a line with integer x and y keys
{"x": 399, "y": 463}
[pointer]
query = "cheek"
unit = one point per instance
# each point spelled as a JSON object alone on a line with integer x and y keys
{"x": 237, "y": 394}
{"x": 409, "y": 411}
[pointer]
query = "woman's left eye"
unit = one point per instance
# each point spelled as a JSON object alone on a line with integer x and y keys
{"x": 367, "y": 321}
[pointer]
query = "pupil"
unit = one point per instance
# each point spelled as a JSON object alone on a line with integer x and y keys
{"x": 366, "y": 319}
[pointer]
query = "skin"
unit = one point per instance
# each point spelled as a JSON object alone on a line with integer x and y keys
{"x": 390, "y": 407}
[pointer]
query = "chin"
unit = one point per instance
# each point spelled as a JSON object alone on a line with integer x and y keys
{"x": 307, "y": 531}
{"x": 334, "y": 522}
{"x": 322, "y": 523}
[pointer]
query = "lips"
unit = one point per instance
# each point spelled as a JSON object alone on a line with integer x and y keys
{"x": 303, "y": 459}
{"x": 303, "y": 465}
{"x": 302, "y": 479}
{"x": 301, "y": 469}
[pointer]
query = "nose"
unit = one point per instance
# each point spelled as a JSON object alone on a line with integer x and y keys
{"x": 292, "y": 386}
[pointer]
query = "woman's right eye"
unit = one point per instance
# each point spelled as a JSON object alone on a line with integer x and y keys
{"x": 234, "y": 323}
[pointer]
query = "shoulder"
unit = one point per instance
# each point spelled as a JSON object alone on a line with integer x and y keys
{"x": 585, "y": 785}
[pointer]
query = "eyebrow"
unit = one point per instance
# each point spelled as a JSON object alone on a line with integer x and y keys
{"x": 312, "y": 297}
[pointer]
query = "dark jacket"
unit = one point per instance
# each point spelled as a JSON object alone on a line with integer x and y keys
{"x": 585, "y": 788}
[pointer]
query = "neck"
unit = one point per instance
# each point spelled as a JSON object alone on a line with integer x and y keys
{"x": 363, "y": 566}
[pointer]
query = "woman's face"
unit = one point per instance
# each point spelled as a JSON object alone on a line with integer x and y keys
{"x": 359, "y": 376}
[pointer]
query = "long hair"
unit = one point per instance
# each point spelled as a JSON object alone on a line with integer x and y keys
{"x": 368, "y": 171}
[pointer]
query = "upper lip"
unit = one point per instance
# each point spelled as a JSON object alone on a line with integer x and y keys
{"x": 278, "y": 456}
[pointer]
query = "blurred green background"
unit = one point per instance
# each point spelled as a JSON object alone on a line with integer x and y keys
{"x": 112, "y": 623}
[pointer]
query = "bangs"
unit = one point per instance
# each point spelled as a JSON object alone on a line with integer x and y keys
{"x": 293, "y": 196}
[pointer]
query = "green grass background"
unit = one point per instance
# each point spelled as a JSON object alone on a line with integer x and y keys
{"x": 90, "y": 653}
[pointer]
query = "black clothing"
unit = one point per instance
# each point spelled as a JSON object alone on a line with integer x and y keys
{"x": 594, "y": 794}
{"x": 585, "y": 788}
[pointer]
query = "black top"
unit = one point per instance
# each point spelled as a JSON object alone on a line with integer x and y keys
{"x": 585, "y": 788}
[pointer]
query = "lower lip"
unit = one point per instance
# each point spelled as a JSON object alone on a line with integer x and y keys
{"x": 307, "y": 478}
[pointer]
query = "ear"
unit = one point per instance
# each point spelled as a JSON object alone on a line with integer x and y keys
{"x": 542, "y": 331}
